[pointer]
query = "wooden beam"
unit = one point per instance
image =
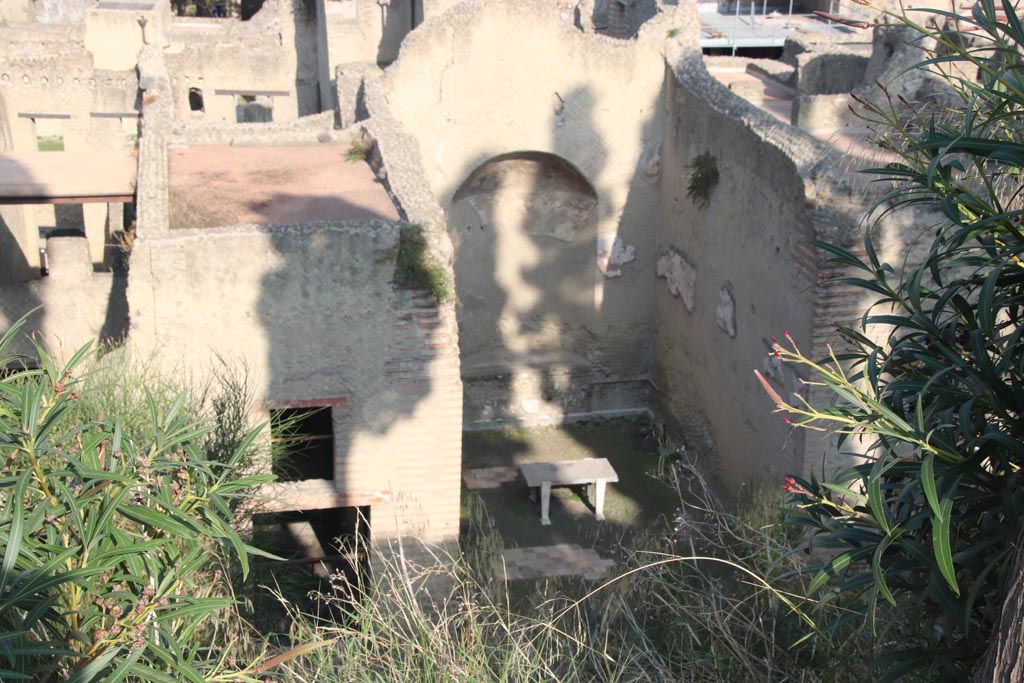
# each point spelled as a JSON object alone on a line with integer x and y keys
{"x": 84, "y": 199}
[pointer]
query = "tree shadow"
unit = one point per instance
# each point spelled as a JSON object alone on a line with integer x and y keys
{"x": 340, "y": 333}
{"x": 396, "y": 21}
{"x": 525, "y": 226}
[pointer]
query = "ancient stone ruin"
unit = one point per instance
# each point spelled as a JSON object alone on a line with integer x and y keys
{"x": 178, "y": 178}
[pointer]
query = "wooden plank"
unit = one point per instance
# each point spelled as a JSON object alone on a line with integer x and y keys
{"x": 312, "y": 494}
{"x": 75, "y": 199}
{"x": 29, "y": 115}
{"x": 253, "y": 93}
{"x": 327, "y": 401}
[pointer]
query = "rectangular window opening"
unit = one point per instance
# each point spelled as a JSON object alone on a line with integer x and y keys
{"x": 49, "y": 135}
{"x": 303, "y": 443}
{"x": 254, "y": 109}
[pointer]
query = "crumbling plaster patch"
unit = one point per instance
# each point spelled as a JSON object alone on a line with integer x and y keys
{"x": 726, "y": 311}
{"x": 681, "y": 276}
{"x": 612, "y": 255}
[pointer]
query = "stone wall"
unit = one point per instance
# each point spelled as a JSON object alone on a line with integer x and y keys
{"x": 465, "y": 92}
{"x": 365, "y": 31}
{"x": 52, "y": 95}
{"x": 735, "y": 273}
{"x": 312, "y": 312}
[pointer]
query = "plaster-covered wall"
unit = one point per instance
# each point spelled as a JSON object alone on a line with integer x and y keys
{"x": 487, "y": 79}
{"x": 734, "y": 273}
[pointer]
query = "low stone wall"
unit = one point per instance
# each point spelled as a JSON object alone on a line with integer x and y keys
{"x": 824, "y": 111}
{"x": 837, "y": 71}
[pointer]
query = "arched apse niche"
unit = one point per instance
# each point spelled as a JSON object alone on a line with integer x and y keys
{"x": 524, "y": 228}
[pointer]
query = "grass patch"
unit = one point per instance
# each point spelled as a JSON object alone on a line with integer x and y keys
{"x": 417, "y": 268}
{"x": 50, "y": 143}
{"x": 699, "y": 599}
{"x": 358, "y": 150}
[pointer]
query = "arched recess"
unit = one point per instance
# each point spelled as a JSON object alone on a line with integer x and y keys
{"x": 524, "y": 227}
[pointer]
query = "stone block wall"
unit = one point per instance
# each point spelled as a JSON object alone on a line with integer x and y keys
{"x": 271, "y": 57}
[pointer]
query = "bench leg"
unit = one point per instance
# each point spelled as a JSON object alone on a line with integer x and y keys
{"x": 599, "y": 499}
{"x": 545, "y": 503}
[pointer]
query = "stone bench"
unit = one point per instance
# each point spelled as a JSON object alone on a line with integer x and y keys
{"x": 594, "y": 472}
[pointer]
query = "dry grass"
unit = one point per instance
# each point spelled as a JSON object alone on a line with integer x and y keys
{"x": 697, "y": 602}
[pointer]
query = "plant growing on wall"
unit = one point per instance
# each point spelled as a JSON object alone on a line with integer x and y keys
{"x": 702, "y": 179}
{"x": 417, "y": 268}
{"x": 358, "y": 150}
{"x": 930, "y": 521}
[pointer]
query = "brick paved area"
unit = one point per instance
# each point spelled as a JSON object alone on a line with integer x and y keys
{"x": 550, "y": 560}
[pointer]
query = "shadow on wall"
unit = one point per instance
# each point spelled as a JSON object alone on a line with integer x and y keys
{"x": 397, "y": 19}
{"x": 592, "y": 15}
{"x": 16, "y": 297}
{"x": 307, "y": 60}
{"x": 624, "y": 274}
{"x": 340, "y": 335}
{"x": 524, "y": 226}
{"x": 14, "y": 266}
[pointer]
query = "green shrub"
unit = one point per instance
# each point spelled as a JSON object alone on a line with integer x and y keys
{"x": 358, "y": 150}
{"x": 117, "y": 544}
{"x": 683, "y": 604}
{"x": 927, "y": 522}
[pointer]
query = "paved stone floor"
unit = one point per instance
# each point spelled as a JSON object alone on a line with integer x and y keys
{"x": 489, "y": 477}
{"x": 551, "y": 560}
